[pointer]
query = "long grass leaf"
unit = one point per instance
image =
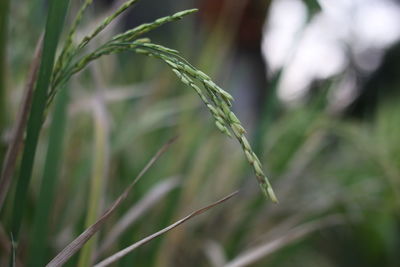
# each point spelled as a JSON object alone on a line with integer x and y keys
{"x": 99, "y": 173}
{"x": 80, "y": 241}
{"x": 255, "y": 254}
{"x": 54, "y": 25}
{"x": 4, "y": 14}
{"x": 145, "y": 240}
{"x": 40, "y": 231}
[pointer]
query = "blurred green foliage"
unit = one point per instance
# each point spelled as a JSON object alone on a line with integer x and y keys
{"x": 337, "y": 178}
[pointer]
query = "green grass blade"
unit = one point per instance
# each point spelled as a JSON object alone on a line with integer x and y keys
{"x": 99, "y": 173}
{"x": 4, "y": 9}
{"x": 54, "y": 25}
{"x": 46, "y": 198}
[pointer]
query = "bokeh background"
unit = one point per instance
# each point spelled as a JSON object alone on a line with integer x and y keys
{"x": 316, "y": 84}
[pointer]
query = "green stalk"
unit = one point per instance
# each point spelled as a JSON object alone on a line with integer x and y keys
{"x": 37, "y": 251}
{"x": 4, "y": 9}
{"x": 54, "y": 25}
{"x": 97, "y": 180}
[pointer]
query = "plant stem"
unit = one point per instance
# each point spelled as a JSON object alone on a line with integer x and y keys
{"x": 4, "y": 10}
{"x": 99, "y": 172}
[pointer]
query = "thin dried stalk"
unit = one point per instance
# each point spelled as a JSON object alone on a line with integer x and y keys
{"x": 20, "y": 126}
{"x": 6, "y": 246}
{"x": 145, "y": 204}
{"x": 78, "y": 242}
{"x": 255, "y": 254}
{"x": 145, "y": 240}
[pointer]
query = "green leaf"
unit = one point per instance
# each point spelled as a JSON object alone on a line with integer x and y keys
{"x": 51, "y": 172}
{"x": 4, "y": 10}
{"x": 54, "y": 25}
